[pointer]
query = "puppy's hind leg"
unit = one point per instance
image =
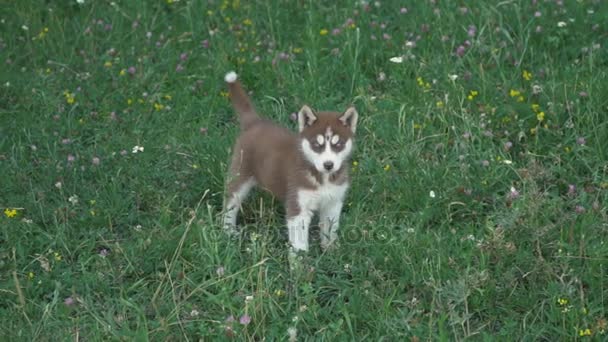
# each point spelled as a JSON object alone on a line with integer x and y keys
{"x": 238, "y": 189}
{"x": 239, "y": 185}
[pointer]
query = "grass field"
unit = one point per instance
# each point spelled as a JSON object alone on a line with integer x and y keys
{"x": 478, "y": 206}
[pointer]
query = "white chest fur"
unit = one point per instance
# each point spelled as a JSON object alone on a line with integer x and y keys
{"x": 325, "y": 195}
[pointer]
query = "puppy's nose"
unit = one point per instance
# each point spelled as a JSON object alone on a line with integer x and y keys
{"x": 328, "y": 165}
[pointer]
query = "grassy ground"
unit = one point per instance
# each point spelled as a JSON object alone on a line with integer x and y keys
{"x": 478, "y": 208}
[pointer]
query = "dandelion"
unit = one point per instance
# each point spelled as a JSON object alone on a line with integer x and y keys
{"x": 526, "y": 75}
{"x": 323, "y": 32}
{"x": 10, "y": 213}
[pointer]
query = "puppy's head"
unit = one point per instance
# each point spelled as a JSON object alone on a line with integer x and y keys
{"x": 327, "y": 138}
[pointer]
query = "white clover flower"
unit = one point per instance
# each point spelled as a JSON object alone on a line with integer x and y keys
{"x": 398, "y": 59}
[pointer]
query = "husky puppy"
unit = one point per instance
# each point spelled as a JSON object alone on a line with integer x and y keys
{"x": 307, "y": 171}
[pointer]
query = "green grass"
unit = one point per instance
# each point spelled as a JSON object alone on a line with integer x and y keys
{"x": 120, "y": 245}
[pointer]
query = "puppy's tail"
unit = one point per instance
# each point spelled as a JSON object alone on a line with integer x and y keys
{"x": 240, "y": 101}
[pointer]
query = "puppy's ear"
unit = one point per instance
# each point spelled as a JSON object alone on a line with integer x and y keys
{"x": 305, "y": 117}
{"x": 349, "y": 118}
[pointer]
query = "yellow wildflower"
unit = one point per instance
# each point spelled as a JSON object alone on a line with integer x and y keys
{"x": 224, "y": 94}
{"x": 535, "y": 107}
{"x": 520, "y": 99}
{"x": 323, "y": 32}
{"x": 297, "y": 50}
{"x": 440, "y": 104}
{"x": 57, "y": 256}
{"x": 10, "y": 213}
{"x": 122, "y": 72}
{"x": 158, "y": 106}
{"x": 168, "y": 97}
{"x": 355, "y": 163}
{"x": 584, "y": 332}
{"x": 387, "y": 167}
{"x": 247, "y": 22}
{"x": 540, "y": 116}
{"x": 472, "y": 95}
{"x": 526, "y": 75}
{"x": 279, "y": 293}
{"x": 107, "y": 64}
{"x": 514, "y": 93}
{"x": 129, "y": 102}
{"x": 30, "y": 275}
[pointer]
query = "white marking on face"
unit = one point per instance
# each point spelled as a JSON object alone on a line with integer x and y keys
{"x": 335, "y": 139}
{"x": 318, "y": 159}
{"x": 320, "y": 139}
